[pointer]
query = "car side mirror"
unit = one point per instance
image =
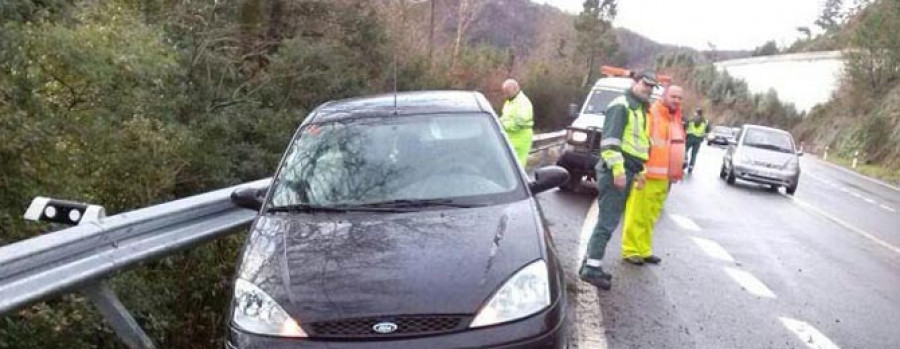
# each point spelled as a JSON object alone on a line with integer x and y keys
{"x": 573, "y": 110}
{"x": 249, "y": 198}
{"x": 549, "y": 177}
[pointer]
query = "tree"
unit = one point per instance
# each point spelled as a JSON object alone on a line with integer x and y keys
{"x": 466, "y": 13}
{"x": 768, "y": 49}
{"x": 595, "y": 33}
{"x": 830, "y": 18}
{"x": 805, "y": 31}
{"x": 874, "y": 63}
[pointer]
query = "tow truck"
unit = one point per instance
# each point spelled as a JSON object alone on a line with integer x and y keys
{"x": 582, "y": 149}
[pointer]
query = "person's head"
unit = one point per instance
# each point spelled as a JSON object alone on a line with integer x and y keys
{"x": 644, "y": 85}
{"x": 510, "y": 88}
{"x": 672, "y": 97}
{"x": 698, "y": 114}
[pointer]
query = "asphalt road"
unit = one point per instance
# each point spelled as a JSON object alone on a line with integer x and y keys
{"x": 744, "y": 267}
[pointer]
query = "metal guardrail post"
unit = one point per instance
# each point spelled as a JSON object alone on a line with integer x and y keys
{"x": 117, "y": 316}
{"x": 855, "y": 158}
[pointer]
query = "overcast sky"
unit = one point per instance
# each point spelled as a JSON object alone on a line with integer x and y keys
{"x": 728, "y": 24}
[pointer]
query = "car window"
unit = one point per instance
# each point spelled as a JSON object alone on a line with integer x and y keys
{"x": 722, "y": 130}
{"x": 402, "y": 158}
{"x": 769, "y": 139}
{"x": 600, "y": 100}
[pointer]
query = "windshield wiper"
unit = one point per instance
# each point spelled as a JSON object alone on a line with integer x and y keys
{"x": 309, "y": 208}
{"x": 769, "y": 147}
{"x": 305, "y": 208}
{"x": 407, "y": 203}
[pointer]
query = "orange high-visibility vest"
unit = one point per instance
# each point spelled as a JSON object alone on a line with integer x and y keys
{"x": 667, "y": 144}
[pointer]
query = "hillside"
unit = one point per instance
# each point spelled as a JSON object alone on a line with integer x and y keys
{"x": 642, "y": 52}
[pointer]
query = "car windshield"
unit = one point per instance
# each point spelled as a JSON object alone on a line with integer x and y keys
{"x": 768, "y": 139}
{"x": 722, "y": 130}
{"x": 407, "y": 158}
{"x": 599, "y": 100}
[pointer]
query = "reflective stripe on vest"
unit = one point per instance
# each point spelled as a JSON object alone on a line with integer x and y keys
{"x": 695, "y": 129}
{"x": 635, "y": 140}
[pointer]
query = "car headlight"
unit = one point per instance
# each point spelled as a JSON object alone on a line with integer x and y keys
{"x": 793, "y": 165}
{"x": 524, "y": 294}
{"x": 578, "y": 136}
{"x": 256, "y": 312}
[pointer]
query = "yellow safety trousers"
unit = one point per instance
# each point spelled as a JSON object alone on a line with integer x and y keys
{"x": 641, "y": 213}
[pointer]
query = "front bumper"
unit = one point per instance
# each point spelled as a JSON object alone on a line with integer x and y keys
{"x": 546, "y": 330}
{"x": 576, "y": 161}
{"x": 719, "y": 141}
{"x": 767, "y": 175}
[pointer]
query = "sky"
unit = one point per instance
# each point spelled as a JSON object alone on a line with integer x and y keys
{"x": 728, "y": 24}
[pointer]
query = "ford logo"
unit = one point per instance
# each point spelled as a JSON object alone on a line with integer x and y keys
{"x": 385, "y": 327}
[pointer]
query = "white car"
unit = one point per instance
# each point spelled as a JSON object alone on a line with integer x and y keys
{"x": 763, "y": 155}
{"x": 583, "y": 136}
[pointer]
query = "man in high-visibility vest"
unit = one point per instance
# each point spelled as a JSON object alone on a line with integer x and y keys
{"x": 664, "y": 166}
{"x": 697, "y": 129}
{"x": 624, "y": 147}
{"x": 518, "y": 119}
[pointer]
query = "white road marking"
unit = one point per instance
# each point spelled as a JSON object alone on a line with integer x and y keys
{"x": 888, "y": 208}
{"x": 846, "y": 225}
{"x": 749, "y": 282}
{"x": 684, "y": 222}
{"x": 868, "y": 200}
{"x": 713, "y": 249}
{"x": 589, "y": 330}
{"x": 589, "y": 222}
{"x": 854, "y": 173}
{"x": 808, "y": 334}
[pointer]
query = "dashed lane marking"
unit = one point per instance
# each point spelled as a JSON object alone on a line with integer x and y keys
{"x": 750, "y": 282}
{"x": 846, "y": 225}
{"x": 713, "y": 249}
{"x": 684, "y": 222}
{"x": 808, "y": 334}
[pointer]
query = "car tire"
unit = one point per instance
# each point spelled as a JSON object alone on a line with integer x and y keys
{"x": 573, "y": 183}
{"x": 731, "y": 179}
{"x": 774, "y": 188}
{"x": 791, "y": 190}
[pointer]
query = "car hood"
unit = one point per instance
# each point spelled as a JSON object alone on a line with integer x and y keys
{"x": 326, "y": 267}
{"x": 586, "y": 121}
{"x": 766, "y": 157}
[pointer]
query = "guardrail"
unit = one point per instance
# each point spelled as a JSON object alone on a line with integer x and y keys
{"x": 545, "y": 142}
{"x": 81, "y": 258}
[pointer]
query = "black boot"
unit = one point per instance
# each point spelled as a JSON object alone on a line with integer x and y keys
{"x": 596, "y": 277}
{"x": 652, "y": 260}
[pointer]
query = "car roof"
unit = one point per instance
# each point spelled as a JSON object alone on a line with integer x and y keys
{"x": 617, "y": 83}
{"x": 758, "y": 127}
{"x": 420, "y": 102}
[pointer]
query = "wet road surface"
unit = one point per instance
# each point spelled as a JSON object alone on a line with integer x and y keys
{"x": 745, "y": 267}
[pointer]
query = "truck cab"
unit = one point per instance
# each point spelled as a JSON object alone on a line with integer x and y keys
{"x": 582, "y": 149}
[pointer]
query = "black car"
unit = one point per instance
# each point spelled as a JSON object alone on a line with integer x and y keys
{"x": 399, "y": 221}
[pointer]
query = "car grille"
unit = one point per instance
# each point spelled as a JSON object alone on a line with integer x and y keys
{"x": 406, "y": 326}
{"x": 765, "y": 164}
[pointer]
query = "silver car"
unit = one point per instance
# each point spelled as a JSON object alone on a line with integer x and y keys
{"x": 763, "y": 155}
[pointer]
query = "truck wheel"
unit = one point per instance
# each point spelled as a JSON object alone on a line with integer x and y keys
{"x": 791, "y": 190}
{"x": 573, "y": 183}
